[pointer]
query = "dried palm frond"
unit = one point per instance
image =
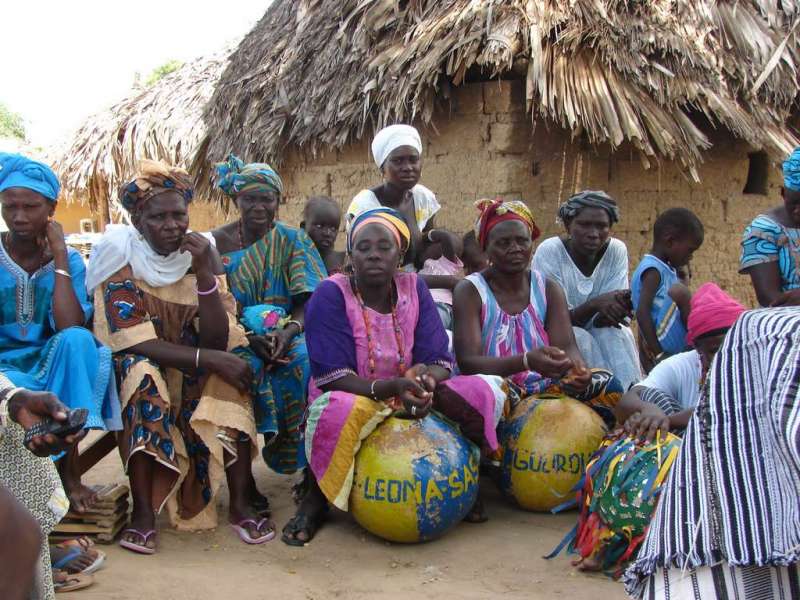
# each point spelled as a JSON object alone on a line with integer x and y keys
{"x": 161, "y": 122}
{"x": 321, "y": 73}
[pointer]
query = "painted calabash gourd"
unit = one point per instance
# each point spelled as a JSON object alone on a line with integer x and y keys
{"x": 414, "y": 479}
{"x": 547, "y": 441}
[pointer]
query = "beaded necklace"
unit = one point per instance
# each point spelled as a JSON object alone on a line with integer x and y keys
{"x": 371, "y": 343}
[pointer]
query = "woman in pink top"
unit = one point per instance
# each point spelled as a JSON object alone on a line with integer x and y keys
{"x": 377, "y": 345}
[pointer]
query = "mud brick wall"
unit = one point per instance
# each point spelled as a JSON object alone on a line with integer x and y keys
{"x": 483, "y": 146}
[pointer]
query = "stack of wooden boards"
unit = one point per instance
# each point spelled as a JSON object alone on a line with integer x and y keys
{"x": 106, "y": 519}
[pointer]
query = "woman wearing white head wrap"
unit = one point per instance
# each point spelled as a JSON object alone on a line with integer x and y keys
{"x": 397, "y": 150}
{"x": 392, "y": 137}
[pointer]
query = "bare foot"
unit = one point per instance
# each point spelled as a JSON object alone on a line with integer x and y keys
{"x": 81, "y": 498}
{"x": 477, "y": 514}
{"x": 310, "y": 514}
{"x": 589, "y": 564}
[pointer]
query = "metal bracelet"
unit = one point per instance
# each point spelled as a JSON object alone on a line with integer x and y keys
{"x": 62, "y": 272}
{"x": 197, "y": 359}
{"x": 9, "y": 394}
{"x": 372, "y": 389}
{"x": 525, "y": 363}
{"x": 295, "y": 322}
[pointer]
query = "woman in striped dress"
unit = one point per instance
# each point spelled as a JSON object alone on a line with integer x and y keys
{"x": 728, "y": 523}
{"x": 512, "y": 322}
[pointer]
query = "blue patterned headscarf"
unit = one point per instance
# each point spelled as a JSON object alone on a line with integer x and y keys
{"x": 235, "y": 177}
{"x": 20, "y": 171}
{"x": 154, "y": 178}
{"x": 791, "y": 171}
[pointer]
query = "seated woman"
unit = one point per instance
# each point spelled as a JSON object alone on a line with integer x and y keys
{"x": 666, "y": 399}
{"x": 771, "y": 244}
{"x": 188, "y": 414}
{"x": 727, "y": 522}
{"x": 592, "y": 269}
{"x": 377, "y": 345}
{"x": 397, "y": 151}
{"x": 512, "y": 322}
{"x": 43, "y": 343}
{"x": 272, "y": 269}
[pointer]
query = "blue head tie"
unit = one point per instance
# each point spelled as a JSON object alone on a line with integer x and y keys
{"x": 20, "y": 171}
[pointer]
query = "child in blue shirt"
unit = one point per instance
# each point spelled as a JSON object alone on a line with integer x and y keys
{"x": 660, "y": 299}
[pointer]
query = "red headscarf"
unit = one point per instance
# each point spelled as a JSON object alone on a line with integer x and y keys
{"x": 711, "y": 309}
{"x": 497, "y": 211}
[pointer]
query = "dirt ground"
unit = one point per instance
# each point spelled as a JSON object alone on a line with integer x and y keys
{"x": 502, "y": 557}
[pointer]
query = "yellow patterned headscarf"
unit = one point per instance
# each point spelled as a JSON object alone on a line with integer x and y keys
{"x": 497, "y": 211}
{"x": 389, "y": 218}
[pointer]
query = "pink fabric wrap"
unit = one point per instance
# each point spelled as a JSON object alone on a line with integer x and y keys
{"x": 442, "y": 266}
{"x": 711, "y": 309}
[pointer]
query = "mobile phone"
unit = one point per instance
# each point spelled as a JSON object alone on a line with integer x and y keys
{"x": 76, "y": 420}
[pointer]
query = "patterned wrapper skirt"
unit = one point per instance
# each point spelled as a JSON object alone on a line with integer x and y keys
{"x": 338, "y": 422}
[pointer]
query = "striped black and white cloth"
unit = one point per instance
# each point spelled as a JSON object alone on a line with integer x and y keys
{"x": 662, "y": 400}
{"x": 724, "y": 582}
{"x": 733, "y": 496}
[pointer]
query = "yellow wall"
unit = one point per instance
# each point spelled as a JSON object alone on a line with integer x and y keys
{"x": 69, "y": 215}
{"x": 484, "y": 147}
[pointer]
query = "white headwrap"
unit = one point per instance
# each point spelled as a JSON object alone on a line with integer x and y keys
{"x": 391, "y": 137}
{"x": 122, "y": 245}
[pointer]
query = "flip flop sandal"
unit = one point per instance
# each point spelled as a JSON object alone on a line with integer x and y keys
{"x": 138, "y": 548}
{"x": 302, "y": 522}
{"x": 74, "y": 552}
{"x": 72, "y": 583}
{"x": 83, "y": 542}
{"x": 71, "y": 555}
{"x": 244, "y": 535}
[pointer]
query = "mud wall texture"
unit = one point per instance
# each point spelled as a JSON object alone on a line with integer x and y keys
{"x": 482, "y": 145}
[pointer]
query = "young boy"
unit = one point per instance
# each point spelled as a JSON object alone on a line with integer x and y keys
{"x": 660, "y": 300}
{"x": 322, "y": 218}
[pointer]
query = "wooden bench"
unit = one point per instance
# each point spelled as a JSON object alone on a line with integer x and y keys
{"x": 96, "y": 451}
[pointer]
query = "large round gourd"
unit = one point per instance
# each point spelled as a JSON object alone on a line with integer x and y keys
{"x": 414, "y": 479}
{"x": 547, "y": 441}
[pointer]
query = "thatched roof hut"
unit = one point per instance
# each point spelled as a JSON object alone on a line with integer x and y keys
{"x": 162, "y": 122}
{"x": 659, "y": 74}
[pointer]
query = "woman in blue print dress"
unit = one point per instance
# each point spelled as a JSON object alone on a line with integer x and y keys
{"x": 43, "y": 310}
{"x": 771, "y": 244}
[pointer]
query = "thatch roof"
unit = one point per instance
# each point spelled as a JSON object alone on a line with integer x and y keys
{"x": 656, "y": 73}
{"x": 161, "y": 122}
